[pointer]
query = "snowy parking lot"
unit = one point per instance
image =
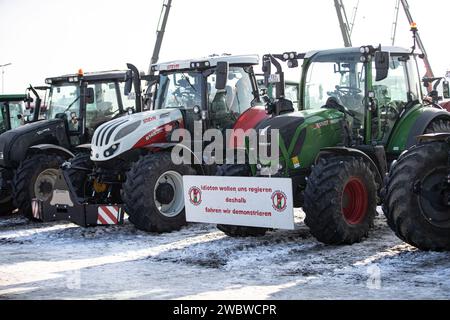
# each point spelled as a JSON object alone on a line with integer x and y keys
{"x": 64, "y": 261}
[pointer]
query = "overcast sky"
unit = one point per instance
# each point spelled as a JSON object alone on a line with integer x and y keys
{"x": 52, "y": 37}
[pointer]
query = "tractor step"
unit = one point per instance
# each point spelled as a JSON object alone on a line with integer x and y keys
{"x": 64, "y": 205}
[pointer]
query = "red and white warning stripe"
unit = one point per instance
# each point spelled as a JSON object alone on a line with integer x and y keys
{"x": 108, "y": 215}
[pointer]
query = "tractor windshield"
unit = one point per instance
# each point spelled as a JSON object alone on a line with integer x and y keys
{"x": 340, "y": 77}
{"x": 16, "y": 109}
{"x": 3, "y": 124}
{"x": 64, "y": 99}
{"x": 180, "y": 90}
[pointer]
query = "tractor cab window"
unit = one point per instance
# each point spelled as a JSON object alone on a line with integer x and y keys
{"x": 16, "y": 110}
{"x": 3, "y": 125}
{"x": 225, "y": 106}
{"x": 342, "y": 80}
{"x": 392, "y": 94}
{"x": 181, "y": 90}
{"x": 65, "y": 103}
{"x": 105, "y": 106}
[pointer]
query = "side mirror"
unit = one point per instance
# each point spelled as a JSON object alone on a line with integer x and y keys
{"x": 90, "y": 95}
{"x": 267, "y": 69}
{"x": 128, "y": 82}
{"x": 382, "y": 65}
{"x": 222, "y": 75}
{"x": 446, "y": 90}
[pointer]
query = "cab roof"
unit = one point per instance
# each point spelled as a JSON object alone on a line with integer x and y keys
{"x": 206, "y": 62}
{"x": 354, "y": 50}
{"x": 90, "y": 76}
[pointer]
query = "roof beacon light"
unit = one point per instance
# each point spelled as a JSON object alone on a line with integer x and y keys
{"x": 414, "y": 26}
{"x": 80, "y": 72}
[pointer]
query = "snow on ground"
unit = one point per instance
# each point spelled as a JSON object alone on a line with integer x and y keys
{"x": 64, "y": 261}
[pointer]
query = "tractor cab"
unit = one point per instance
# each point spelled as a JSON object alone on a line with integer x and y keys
{"x": 20, "y": 109}
{"x": 215, "y": 90}
{"x": 377, "y": 89}
{"x": 345, "y": 77}
{"x": 11, "y": 108}
{"x": 86, "y": 100}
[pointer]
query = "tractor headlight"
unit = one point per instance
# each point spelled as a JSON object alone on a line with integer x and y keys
{"x": 1, "y": 156}
{"x": 127, "y": 130}
{"x": 111, "y": 151}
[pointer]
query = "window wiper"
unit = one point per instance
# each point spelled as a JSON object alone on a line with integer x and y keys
{"x": 189, "y": 82}
{"x": 71, "y": 105}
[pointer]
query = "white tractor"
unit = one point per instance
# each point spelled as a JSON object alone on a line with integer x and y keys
{"x": 128, "y": 166}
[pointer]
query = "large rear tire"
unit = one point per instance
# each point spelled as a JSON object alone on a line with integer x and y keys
{"x": 236, "y": 170}
{"x": 419, "y": 219}
{"x": 340, "y": 201}
{"x": 153, "y": 193}
{"x": 35, "y": 178}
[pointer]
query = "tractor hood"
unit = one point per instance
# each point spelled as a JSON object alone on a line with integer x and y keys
{"x": 15, "y": 143}
{"x": 318, "y": 128}
{"x": 139, "y": 130}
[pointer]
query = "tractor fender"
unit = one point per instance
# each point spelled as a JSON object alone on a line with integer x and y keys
{"x": 421, "y": 124}
{"x": 84, "y": 146}
{"x": 171, "y": 145}
{"x": 343, "y": 151}
{"x": 445, "y": 137}
{"x": 51, "y": 148}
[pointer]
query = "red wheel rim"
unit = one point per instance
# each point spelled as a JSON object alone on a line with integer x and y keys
{"x": 354, "y": 201}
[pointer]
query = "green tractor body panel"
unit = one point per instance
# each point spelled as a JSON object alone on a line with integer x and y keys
{"x": 411, "y": 125}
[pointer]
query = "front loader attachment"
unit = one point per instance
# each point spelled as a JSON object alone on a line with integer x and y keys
{"x": 65, "y": 205}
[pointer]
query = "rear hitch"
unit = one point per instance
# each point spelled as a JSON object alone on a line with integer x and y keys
{"x": 65, "y": 205}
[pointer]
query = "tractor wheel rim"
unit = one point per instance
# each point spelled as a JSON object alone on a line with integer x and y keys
{"x": 432, "y": 198}
{"x": 44, "y": 184}
{"x": 174, "y": 208}
{"x": 354, "y": 201}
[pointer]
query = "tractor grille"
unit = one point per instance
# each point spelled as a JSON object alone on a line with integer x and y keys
{"x": 104, "y": 133}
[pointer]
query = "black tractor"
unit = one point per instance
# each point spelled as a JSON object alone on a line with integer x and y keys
{"x": 31, "y": 155}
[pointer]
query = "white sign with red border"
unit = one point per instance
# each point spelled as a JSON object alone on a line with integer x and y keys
{"x": 240, "y": 201}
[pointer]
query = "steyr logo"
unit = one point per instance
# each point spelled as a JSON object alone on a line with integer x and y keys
{"x": 195, "y": 196}
{"x": 279, "y": 201}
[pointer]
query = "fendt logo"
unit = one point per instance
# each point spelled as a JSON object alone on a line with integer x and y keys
{"x": 195, "y": 196}
{"x": 279, "y": 201}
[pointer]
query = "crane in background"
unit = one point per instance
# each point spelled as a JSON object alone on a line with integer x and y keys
{"x": 161, "y": 29}
{"x": 418, "y": 39}
{"x": 346, "y": 25}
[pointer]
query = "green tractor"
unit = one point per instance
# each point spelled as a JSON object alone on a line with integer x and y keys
{"x": 417, "y": 203}
{"x": 361, "y": 108}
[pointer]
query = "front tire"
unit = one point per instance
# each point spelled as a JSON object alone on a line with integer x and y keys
{"x": 340, "y": 201}
{"x": 411, "y": 214}
{"x": 153, "y": 193}
{"x": 79, "y": 178}
{"x": 236, "y": 170}
{"x": 35, "y": 178}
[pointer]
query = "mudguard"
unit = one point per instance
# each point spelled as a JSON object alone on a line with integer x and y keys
{"x": 53, "y": 147}
{"x": 327, "y": 152}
